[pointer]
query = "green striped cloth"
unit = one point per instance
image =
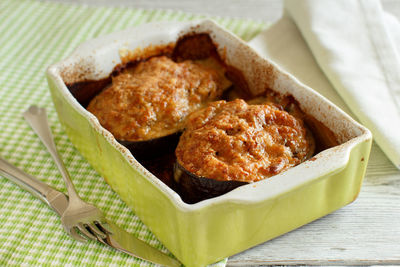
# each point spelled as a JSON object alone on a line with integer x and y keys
{"x": 34, "y": 35}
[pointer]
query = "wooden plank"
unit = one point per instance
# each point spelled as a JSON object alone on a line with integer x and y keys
{"x": 266, "y": 10}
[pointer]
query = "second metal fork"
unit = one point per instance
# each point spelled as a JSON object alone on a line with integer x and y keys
{"x": 80, "y": 219}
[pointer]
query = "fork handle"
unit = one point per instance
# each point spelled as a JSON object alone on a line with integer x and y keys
{"x": 37, "y": 119}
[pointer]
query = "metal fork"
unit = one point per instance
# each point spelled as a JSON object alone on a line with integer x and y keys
{"x": 80, "y": 219}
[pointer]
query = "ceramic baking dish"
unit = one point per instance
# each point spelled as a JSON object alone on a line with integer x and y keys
{"x": 210, "y": 230}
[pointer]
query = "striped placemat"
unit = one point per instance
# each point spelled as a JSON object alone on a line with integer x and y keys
{"x": 34, "y": 35}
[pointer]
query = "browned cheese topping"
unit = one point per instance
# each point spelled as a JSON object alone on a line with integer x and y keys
{"x": 154, "y": 98}
{"x": 237, "y": 141}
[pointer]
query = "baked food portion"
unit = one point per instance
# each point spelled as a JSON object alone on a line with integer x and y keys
{"x": 153, "y": 98}
{"x": 235, "y": 141}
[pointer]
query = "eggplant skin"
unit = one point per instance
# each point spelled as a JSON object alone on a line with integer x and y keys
{"x": 196, "y": 188}
{"x": 152, "y": 148}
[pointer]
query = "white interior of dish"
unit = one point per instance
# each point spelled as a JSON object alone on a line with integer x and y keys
{"x": 96, "y": 59}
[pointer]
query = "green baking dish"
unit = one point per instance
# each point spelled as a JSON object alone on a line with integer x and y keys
{"x": 205, "y": 232}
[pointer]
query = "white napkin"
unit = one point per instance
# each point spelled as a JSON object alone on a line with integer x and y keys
{"x": 347, "y": 51}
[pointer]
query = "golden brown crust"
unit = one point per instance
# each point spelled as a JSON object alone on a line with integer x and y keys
{"x": 154, "y": 98}
{"x": 237, "y": 141}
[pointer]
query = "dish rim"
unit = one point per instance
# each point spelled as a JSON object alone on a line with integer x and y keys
{"x": 335, "y": 158}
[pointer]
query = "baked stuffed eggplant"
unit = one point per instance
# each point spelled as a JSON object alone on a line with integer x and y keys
{"x": 228, "y": 144}
{"x": 145, "y": 101}
{"x": 145, "y": 107}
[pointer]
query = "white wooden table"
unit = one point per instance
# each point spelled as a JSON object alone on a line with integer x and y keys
{"x": 366, "y": 232}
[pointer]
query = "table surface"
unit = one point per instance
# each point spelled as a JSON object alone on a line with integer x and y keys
{"x": 366, "y": 232}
